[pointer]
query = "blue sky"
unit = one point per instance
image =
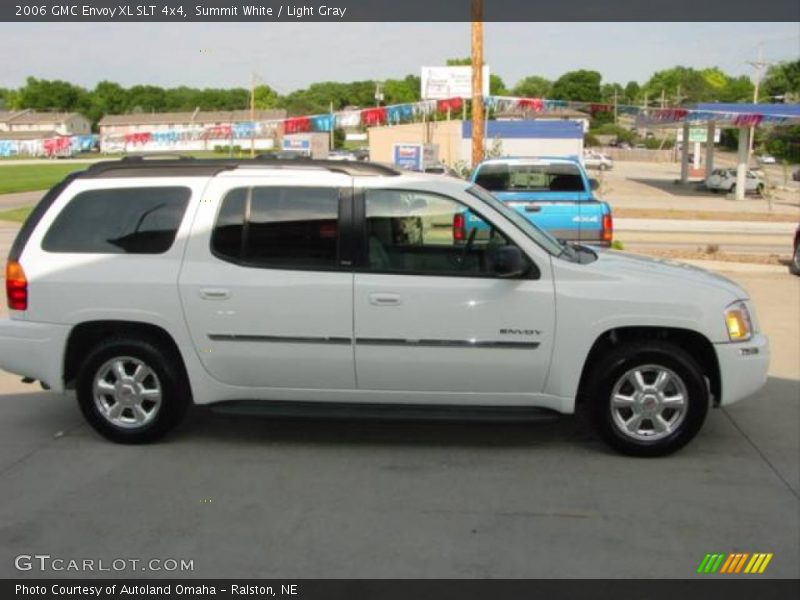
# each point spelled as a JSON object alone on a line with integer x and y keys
{"x": 288, "y": 56}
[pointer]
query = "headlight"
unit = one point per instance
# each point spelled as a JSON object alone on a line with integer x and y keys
{"x": 737, "y": 319}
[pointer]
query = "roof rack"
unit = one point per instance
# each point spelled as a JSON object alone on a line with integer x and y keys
{"x": 166, "y": 165}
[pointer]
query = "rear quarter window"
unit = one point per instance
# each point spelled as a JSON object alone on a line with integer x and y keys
{"x": 141, "y": 220}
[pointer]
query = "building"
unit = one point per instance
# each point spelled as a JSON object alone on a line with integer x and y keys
{"x": 453, "y": 139}
{"x": 555, "y": 114}
{"x": 44, "y": 124}
{"x": 197, "y": 130}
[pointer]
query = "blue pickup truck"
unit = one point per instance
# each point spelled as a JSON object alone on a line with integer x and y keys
{"x": 554, "y": 193}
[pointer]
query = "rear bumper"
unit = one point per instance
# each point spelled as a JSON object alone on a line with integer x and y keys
{"x": 34, "y": 350}
{"x": 743, "y": 368}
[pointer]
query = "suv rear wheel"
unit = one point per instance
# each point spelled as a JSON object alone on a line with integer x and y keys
{"x": 132, "y": 390}
{"x": 648, "y": 398}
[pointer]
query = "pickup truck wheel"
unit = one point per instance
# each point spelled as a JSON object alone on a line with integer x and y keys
{"x": 131, "y": 390}
{"x": 650, "y": 398}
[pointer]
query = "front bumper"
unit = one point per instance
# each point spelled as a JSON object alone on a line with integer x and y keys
{"x": 743, "y": 368}
{"x": 34, "y": 350}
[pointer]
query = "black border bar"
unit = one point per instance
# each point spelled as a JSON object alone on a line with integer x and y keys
{"x": 400, "y": 11}
{"x": 730, "y": 588}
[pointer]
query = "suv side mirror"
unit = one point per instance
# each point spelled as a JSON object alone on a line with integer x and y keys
{"x": 508, "y": 261}
{"x": 594, "y": 184}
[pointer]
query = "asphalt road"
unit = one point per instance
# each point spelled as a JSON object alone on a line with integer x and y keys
{"x": 256, "y": 497}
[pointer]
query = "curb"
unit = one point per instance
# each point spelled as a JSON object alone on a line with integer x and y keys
{"x": 697, "y": 226}
{"x": 734, "y": 267}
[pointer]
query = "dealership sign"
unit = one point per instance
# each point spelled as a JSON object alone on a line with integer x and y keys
{"x": 439, "y": 83}
{"x": 295, "y": 144}
{"x": 408, "y": 156}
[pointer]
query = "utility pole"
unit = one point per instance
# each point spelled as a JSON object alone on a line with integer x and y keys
{"x": 253, "y": 115}
{"x": 646, "y": 113}
{"x": 477, "y": 81}
{"x": 615, "y": 106}
{"x": 759, "y": 65}
{"x": 331, "y": 142}
{"x": 663, "y": 98}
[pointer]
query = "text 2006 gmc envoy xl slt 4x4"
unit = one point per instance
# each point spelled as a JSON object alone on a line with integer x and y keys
{"x": 145, "y": 285}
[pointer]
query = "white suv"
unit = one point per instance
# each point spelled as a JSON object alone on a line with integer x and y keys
{"x": 148, "y": 285}
{"x": 724, "y": 180}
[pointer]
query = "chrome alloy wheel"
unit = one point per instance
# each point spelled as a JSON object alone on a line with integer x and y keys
{"x": 648, "y": 403}
{"x": 127, "y": 392}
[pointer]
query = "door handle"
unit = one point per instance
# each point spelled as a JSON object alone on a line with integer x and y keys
{"x": 214, "y": 294}
{"x": 384, "y": 299}
{"x": 533, "y": 208}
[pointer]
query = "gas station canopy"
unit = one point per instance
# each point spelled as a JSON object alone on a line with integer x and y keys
{"x": 744, "y": 117}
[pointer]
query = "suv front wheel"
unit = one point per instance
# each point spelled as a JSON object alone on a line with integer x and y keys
{"x": 648, "y": 398}
{"x": 132, "y": 390}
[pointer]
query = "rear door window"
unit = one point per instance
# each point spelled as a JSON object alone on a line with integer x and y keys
{"x": 279, "y": 227}
{"x": 141, "y": 220}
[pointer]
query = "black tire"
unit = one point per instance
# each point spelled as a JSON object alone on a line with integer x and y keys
{"x": 760, "y": 190}
{"x": 612, "y": 367}
{"x": 170, "y": 379}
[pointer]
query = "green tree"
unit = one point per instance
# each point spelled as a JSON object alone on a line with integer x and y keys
{"x": 609, "y": 90}
{"x": 146, "y": 98}
{"x": 782, "y": 82}
{"x": 680, "y": 85}
{"x": 266, "y": 97}
{"x": 339, "y": 138}
{"x": 533, "y": 86}
{"x": 737, "y": 89}
{"x": 632, "y": 92}
{"x": 399, "y": 91}
{"x": 581, "y": 86}
{"x": 41, "y": 94}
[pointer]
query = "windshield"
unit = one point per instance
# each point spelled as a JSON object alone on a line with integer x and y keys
{"x": 538, "y": 177}
{"x": 541, "y": 237}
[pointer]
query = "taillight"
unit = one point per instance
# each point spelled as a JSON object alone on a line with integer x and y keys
{"x": 458, "y": 228}
{"x": 16, "y": 286}
{"x": 608, "y": 228}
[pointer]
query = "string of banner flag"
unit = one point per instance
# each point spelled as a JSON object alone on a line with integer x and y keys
{"x": 379, "y": 116}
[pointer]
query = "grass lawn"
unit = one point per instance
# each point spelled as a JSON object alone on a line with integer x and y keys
{"x": 29, "y": 178}
{"x": 16, "y": 214}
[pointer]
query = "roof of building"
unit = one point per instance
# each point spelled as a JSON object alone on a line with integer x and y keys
{"x": 556, "y": 113}
{"x": 28, "y": 135}
{"x": 540, "y": 129}
{"x": 203, "y": 116}
{"x": 33, "y": 117}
